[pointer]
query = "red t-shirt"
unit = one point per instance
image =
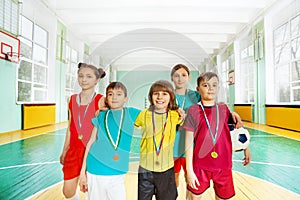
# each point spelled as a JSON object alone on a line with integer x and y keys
{"x": 86, "y": 121}
{"x": 203, "y": 143}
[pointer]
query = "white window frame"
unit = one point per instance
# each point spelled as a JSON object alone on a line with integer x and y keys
{"x": 289, "y": 61}
{"x": 72, "y": 57}
{"x": 35, "y": 86}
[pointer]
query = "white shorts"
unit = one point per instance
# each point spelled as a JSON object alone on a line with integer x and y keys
{"x": 106, "y": 187}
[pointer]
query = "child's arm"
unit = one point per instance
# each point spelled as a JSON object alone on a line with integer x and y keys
{"x": 181, "y": 113}
{"x": 235, "y": 117}
{"x": 67, "y": 142}
{"x": 83, "y": 179}
{"x": 189, "y": 148}
{"x": 237, "y": 120}
{"x": 247, "y": 158}
{"x": 101, "y": 105}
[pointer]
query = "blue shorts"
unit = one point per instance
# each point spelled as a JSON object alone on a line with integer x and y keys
{"x": 222, "y": 179}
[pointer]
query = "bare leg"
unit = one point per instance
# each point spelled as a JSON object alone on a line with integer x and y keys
{"x": 177, "y": 179}
{"x": 70, "y": 187}
{"x": 191, "y": 196}
{"x": 218, "y": 198}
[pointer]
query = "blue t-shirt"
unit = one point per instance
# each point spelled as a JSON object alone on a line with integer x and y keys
{"x": 103, "y": 159}
{"x": 190, "y": 98}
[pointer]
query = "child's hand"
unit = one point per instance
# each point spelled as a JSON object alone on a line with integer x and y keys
{"x": 83, "y": 182}
{"x": 181, "y": 113}
{"x": 247, "y": 158}
{"x": 62, "y": 158}
{"x": 102, "y": 106}
{"x": 97, "y": 113}
{"x": 192, "y": 180}
{"x": 237, "y": 120}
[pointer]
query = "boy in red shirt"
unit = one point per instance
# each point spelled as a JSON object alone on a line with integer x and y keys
{"x": 208, "y": 142}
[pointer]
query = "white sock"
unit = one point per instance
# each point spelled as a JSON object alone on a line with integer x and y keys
{"x": 86, "y": 195}
{"x": 75, "y": 197}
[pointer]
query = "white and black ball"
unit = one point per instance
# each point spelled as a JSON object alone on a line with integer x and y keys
{"x": 240, "y": 139}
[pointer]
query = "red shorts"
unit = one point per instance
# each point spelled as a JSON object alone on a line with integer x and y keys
{"x": 178, "y": 162}
{"x": 222, "y": 179}
{"x": 73, "y": 162}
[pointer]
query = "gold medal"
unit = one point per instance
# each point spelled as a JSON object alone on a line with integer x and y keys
{"x": 214, "y": 154}
{"x": 157, "y": 163}
{"x": 80, "y": 136}
{"x": 116, "y": 157}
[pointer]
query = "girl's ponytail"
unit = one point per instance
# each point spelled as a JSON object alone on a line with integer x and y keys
{"x": 101, "y": 73}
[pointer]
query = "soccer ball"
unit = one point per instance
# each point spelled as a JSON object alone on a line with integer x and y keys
{"x": 240, "y": 139}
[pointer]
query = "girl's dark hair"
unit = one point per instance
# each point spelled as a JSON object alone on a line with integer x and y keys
{"x": 179, "y": 66}
{"x": 99, "y": 72}
{"x": 206, "y": 76}
{"x": 117, "y": 85}
{"x": 165, "y": 86}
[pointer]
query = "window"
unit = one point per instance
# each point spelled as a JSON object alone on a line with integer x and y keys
{"x": 71, "y": 71}
{"x": 9, "y": 16}
{"x": 287, "y": 61}
{"x": 33, "y": 69}
{"x": 247, "y": 70}
{"x": 225, "y": 68}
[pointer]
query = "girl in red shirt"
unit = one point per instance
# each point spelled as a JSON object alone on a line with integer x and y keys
{"x": 82, "y": 108}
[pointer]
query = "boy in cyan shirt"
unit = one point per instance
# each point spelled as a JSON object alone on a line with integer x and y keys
{"x": 107, "y": 153}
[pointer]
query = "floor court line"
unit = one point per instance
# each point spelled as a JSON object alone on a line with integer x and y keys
{"x": 34, "y": 144}
{"x": 30, "y": 164}
{"x": 271, "y": 164}
{"x": 135, "y": 157}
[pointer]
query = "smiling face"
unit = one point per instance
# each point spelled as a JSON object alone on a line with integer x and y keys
{"x": 162, "y": 97}
{"x": 160, "y": 100}
{"x": 116, "y": 98}
{"x": 87, "y": 78}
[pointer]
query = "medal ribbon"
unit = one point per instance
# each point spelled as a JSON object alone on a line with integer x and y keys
{"x": 158, "y": 148}
{"x": 86, "y": 108}
{"x": 114, "y": 144}
{"x": 177, "y": 102}
{"x": 214, "y": 138}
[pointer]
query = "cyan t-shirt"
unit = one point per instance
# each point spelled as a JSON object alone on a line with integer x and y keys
{"x": 102, "y": 158}
{"x": 190, "y": 98}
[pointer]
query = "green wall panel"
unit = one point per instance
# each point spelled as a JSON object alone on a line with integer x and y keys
{"x": 138, "y": 84}
{"x": 10, "y": 112}
{"x": 61, "y": 104}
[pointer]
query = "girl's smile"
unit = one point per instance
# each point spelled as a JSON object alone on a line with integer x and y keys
{"x": 161, "y": 101}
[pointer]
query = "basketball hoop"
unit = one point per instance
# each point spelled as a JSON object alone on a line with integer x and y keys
{"x": 12, "y": 57}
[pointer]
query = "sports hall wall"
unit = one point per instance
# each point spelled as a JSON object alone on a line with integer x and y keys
{"x": 10, "y": 112}
{"x": 137, "y": 83}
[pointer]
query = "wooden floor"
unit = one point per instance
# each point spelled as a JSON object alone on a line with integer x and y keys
{"x": 273, "y": 130}
{"x": 247, "y": 188}
{"x": 23, "y": 134}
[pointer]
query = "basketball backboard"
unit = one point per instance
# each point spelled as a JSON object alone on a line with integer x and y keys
{"x": 9, "y": 47}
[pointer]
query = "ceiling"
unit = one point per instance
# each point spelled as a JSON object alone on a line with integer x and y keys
{"x": 136, "y": 34}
